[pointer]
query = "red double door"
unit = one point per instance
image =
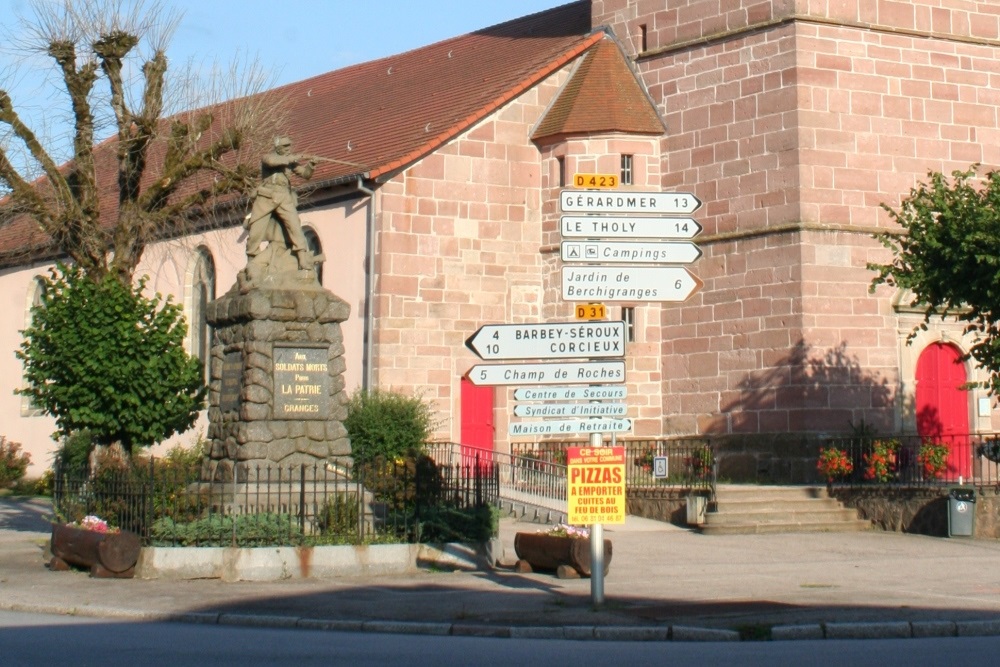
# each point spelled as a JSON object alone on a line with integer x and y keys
{"x": 942, "y": 404}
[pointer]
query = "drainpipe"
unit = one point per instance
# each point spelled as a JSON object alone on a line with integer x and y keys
{"x": 369, "y": 340}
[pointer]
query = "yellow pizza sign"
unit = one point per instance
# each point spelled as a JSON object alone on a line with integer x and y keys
{"x": 596, "y": 485}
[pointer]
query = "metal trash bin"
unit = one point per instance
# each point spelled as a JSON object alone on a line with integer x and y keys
{"x": 962, "y": 513}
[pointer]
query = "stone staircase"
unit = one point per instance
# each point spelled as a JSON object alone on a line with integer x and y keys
{"x": 741, "y": 510}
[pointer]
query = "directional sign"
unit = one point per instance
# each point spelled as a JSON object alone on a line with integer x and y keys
{"x": 623, "y": 252}
{"x": 570, "y": 410}
{"x": 599, "y": 181}
{"x": 552, "y": 340}
{"x": 583, "y": 372}
{"x": 555, "y": 427}
{"x": 664, "y": 203}
{"x": 611, "y": 392}
{"x": 611, "y": 227}
{"x": 628, "y": 283}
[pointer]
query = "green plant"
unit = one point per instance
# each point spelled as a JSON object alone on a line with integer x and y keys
{"x": 644, "y": 458}
{"x": 104, "y": 357}
{"x": 13, "y": 462}
{"x": 241, "y": 530}
{"x": 933, "y": 459}
{"x": 386, "y": 424}
{"x": 566, "y": 530}
{"x": 700, "y": 462}
{"x": 881, "y": 464}
{"x": 74, "y": 451}
{"x": 834, "y": 464}
{"x": 339, "y": 516}
{"x": 441, "y": 523}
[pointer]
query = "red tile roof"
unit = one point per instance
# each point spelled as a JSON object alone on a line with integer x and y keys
{"x": 382, "y": 115}
{"x": 603, "y": 95}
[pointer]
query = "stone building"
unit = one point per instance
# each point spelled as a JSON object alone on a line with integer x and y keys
{"x": 791, "y": 120}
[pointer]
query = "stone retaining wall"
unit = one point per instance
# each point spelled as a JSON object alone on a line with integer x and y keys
{"x": 919, "y": 510}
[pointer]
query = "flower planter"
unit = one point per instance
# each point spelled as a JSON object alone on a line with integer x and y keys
{"x": 109, "y": 555}
{"x": 552, "y": 552}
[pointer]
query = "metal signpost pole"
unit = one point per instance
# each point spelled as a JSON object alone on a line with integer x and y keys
{"x": 596, "y": 548}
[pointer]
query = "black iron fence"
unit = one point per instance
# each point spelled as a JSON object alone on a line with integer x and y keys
{"x": 678, "y": 463}
{"x": 405, "y": 500}
{"x": 912, "y": 460}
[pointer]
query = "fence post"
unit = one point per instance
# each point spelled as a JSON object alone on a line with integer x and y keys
{"x": 302, "y": 499}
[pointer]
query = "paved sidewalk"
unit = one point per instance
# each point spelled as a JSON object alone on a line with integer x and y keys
{"x": 664, "y": 582}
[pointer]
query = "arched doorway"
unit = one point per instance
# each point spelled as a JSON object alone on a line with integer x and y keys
{"x": 942, "y": 404}
{"x": 478, "y": 430}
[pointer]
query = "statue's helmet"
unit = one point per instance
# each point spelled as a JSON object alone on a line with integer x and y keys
{"x": 282, "y": 141}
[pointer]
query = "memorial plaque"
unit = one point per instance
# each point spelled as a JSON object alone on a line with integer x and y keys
{"x": 301, "y": 383}
{"x": 232, "y": 381}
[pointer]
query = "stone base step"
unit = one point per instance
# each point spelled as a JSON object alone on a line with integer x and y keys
{"x": 855, "y": 525}
{"x": 815, "y": 515}
{"x": 745, "y": 510}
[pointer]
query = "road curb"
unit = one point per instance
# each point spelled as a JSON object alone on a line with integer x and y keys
{"x": 636, "y": 633}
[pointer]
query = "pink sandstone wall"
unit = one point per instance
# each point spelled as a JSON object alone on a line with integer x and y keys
{"x": 793, "y": 133}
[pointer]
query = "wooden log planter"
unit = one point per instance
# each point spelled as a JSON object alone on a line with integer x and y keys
{"x": 107, "y": 555}
{"x": 568, "y": 556}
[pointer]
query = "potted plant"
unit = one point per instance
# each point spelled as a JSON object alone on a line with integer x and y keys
{"x": 91, "y": 543}
{"x": 834, "y": 464}
{"x": 881, "y": 462}
{"x": 933, "y": 459}
{"x": 563, "y": 548}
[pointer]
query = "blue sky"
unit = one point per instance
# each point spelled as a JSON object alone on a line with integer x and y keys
{"x": 292, "y": 39}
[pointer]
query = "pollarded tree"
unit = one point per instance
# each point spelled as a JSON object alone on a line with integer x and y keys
{"x": 167, "y": 168}
{"x": 101, "y": 356}
{"x": 948, "y": 257}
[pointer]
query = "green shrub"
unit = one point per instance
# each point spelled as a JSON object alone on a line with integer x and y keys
{"x": 468, "y": 524}
{"x": 74, "y": 451}
{"x": 386, "y": 424}
{"x": 242, "y": 530}
{"x": 13, "y": 462}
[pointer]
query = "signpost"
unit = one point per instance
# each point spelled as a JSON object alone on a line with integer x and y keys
{"x": 553, "y": 340}
{"x": 583, "y": 372}
{"x": 593, "y": 226}
{"x": 612, "y": 252}
{"x": 561, "y": 427}
{"x": 628, "y": 201}
{"x": 611, "y": 392}
{"x": 630, "y": 283}
{"x": 571, "y": 410}
{"x": 598, "y": 181}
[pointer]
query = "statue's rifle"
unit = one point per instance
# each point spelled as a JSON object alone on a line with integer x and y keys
{"x": 317, "y": 158}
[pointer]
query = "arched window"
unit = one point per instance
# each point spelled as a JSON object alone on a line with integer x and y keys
{"x": 312, "y": 241}
{"x": 201, "y": 290}
{"x": 34, "y": 299}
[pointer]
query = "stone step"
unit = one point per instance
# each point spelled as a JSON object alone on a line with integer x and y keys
{"x": 764, "y": 528}
{"x": 775, "y": 505}
{"x": 746, "y": 510}
{"x": 731, "y": 517}
{"x": 736, "y": 493}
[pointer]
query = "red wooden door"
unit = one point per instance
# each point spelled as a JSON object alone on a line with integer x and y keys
{"x": 478, "y": 429}
{"x": 943, "y": 404}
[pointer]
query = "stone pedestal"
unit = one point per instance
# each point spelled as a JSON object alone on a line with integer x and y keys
{"x": 276, "y": 393}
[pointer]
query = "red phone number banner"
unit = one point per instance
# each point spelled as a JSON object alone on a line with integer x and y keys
{"x": 596, "y": 485}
